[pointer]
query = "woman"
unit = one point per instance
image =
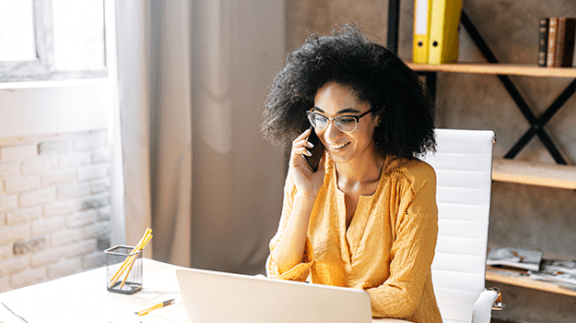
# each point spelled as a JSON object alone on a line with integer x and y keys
{"x": 367, "y": 218}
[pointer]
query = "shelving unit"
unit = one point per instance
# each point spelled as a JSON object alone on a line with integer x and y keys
{"x": 512, "y": 277}
{"x": 496, "y": 69}
{"x": 557, "y": 175}
{"x": 507, "y": 170}
{"x": 521, "y": 172}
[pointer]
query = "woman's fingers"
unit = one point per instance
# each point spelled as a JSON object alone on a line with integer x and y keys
{"x": 303, "y": 135}
{"x": 304, "y": 178}
{"x": 302, "y": 151}
{"x": 302, "y": 143}
{"x": 300, "y": 146}
{"x": 299, "y": 149}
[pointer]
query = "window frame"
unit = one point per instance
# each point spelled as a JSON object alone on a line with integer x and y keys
{"x": 43, "y": 67}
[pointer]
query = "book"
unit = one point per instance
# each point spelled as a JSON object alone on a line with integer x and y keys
{"x": 569, "y": 42}
{"x": 552, "y": 29}
{"x": 562, "y": 279}
{"x": 560, "y": 34}
{"x": 562, "y": 272}
{"x": 521, "y": 258}
{"x": 558, "y": 266}
{"x": 543, "y": 41}
{"x": 564, "y": 42}
{"x": 421, "y": 31}
{"x": 443, "y": 43}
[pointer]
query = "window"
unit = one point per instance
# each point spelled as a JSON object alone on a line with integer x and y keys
{"x": 51, "y": 39}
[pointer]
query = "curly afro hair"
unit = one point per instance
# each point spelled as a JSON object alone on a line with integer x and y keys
{"x": 375, "y": 75}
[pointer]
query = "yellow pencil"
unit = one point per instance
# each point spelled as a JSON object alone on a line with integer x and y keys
{"x": 155, "y": 307}
{"x": 134, "y": 260}
{"x": 129, "y": 261}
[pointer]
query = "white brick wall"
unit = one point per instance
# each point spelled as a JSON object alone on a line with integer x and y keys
{"x": 21, "y": 184}
{"x": 9, "y": 169}
{"x": 23, "y": 215}
{"x": 46, "y": 226}
{"x": 4, "y": 284}
{"x": 38, "y": 197}
{"x": 28, "y": 277}
{"x": 18, "y": 152}
{"x": 59, "y": 178}
{"x": 54, "y": 206}
{"x": 39, "y": 165}
{"x": 8, "y": 202}
{"x": 11, "y": 234}
{"x": 5, "y": 252}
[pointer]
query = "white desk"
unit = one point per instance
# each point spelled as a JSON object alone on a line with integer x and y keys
{"x": 83, "y": 298}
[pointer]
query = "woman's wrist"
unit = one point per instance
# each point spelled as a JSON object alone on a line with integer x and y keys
{"x": 306, "y": 196}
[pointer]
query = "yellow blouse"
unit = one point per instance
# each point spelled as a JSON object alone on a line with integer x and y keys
{"x": 387, "y": 249}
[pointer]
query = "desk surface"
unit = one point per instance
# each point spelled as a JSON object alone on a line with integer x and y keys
{"x": 83, "y": 298}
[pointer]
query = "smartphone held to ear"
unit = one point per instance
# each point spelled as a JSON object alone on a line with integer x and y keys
{"x": 317, "y": 151}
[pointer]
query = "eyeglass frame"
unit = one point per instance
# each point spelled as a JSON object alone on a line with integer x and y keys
{"x": 356, "y": 117}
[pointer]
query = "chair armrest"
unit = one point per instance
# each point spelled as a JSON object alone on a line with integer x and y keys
{"x": 489, "y": 299}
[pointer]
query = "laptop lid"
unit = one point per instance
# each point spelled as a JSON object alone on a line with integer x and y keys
{"x": 211, "y": 296}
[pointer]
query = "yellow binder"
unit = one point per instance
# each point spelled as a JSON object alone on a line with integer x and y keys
{"x": 421, "y": 31}
{"x": 443, "y": 40}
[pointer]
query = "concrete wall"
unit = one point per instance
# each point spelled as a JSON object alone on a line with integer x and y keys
{"x": 531, "y": 216}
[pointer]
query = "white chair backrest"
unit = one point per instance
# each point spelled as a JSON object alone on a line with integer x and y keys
{"x": 463, "y": 165}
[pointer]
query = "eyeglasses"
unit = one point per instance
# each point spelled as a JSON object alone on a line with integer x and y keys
{"x": 344, "y": 123}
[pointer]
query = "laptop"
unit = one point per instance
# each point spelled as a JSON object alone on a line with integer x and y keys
{"x": 211, "y": 296}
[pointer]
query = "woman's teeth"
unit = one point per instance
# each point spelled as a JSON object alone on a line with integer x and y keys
{"x": 338, "y": 146}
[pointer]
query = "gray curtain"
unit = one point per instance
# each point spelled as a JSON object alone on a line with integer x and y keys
{"x": 193, "y": 76}
{"x": 133, "y": 47}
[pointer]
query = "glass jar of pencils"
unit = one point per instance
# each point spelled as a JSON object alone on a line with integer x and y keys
{"x": 124, "y": 273}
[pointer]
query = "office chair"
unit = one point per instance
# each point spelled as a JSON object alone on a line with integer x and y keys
{"x": 463, "y": 165}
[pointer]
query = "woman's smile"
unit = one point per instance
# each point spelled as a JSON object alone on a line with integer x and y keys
{"x": 334, "y": 100}
{"x": 337, "y": 146}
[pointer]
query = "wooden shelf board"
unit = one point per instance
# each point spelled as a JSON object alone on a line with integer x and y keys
{"x": 517, "y": 278}
{"x": 498, "y": 69}
{"x": 513, "y": 171}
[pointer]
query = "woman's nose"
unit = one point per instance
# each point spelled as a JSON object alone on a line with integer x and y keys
{"x": 331, "y": 131}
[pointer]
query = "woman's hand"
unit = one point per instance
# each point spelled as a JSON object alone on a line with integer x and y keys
{"x": 289, "y": 250}
{"x": 307, "y": 182}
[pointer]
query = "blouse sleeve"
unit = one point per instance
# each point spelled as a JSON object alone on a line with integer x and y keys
{"x": 301, "y": 271}
{"x": 415, "y": 233}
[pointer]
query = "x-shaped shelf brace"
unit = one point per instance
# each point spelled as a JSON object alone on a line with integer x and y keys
{"x": 536, "y": 124}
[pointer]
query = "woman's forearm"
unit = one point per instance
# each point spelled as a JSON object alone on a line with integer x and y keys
{"x": 289, "y": 251}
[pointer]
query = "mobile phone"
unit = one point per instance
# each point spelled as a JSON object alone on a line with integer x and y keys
{"x": 316, "y": 151}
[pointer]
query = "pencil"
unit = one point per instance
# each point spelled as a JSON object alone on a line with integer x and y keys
{"x": 125, "y": 263}
{"x": 129, "y": 261}
{"x": 134, "y": 260}
{"x": 155, "y": 307}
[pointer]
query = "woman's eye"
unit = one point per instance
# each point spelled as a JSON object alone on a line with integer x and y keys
{"x": 320, "y": 118}
{"x": 346, "y": 120}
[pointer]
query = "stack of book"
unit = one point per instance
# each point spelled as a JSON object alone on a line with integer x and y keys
{"x": 531, "y": 263}
{"x": 561, "y": 272}
{"x": 520, "y": 258}
{"x": 556, "y": 44}
{"x": 436, "y": 31}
